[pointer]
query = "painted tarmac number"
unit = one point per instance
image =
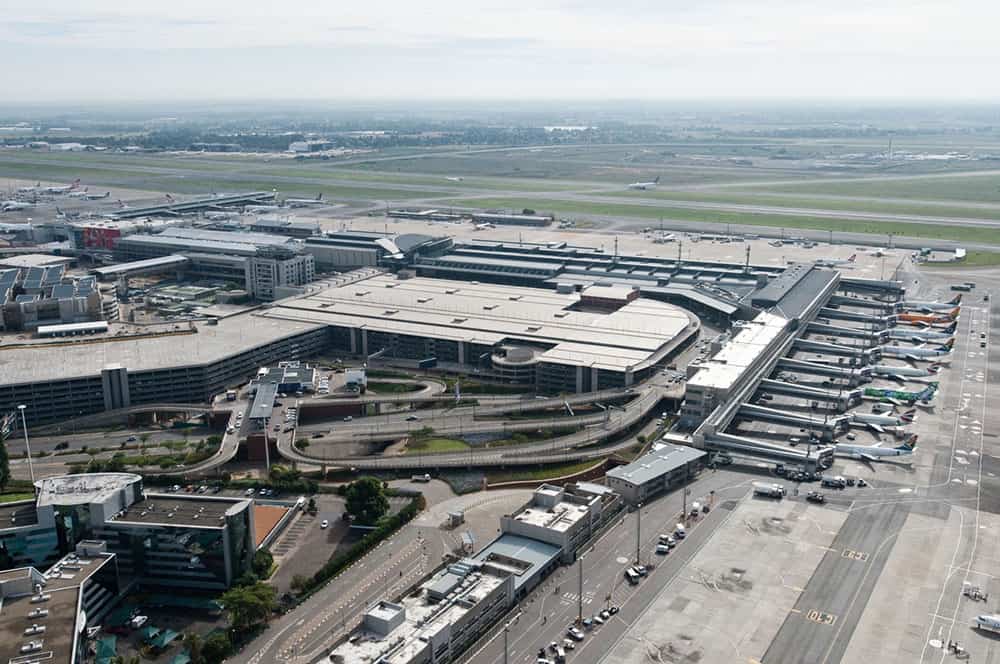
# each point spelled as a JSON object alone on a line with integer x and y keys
{"x": 821, "y": 617}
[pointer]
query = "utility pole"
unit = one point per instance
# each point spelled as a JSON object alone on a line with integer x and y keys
{"x": 579, "y": 591}
{"x": 506, "y": 644}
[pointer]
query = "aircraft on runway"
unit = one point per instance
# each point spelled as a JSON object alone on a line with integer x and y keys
{"x": 97, "y": 197}
{"x": 900, "y": 374}
{"x": 920, "y": 336}
{"x": 11, "y": 206}
{"x": 304, "y": 202}
{"x": 919, "y": 353}
{"x": 932, "y": 319}
{"x": 875, "y": 452}
{"x": 642, "y": 186}
{"x": 455, "y": 178}
{"x": 927, "y": 307}
{"x": 903, "y": 396}
{"x": 877, "y": 423}
{"x": 834, "y": 262}
{"x": 63, "y": 189}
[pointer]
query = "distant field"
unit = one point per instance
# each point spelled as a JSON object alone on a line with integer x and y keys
{"x": 933, "y": 231}
{"x": 751, "y": 197}
{"x": 970, "y": 188}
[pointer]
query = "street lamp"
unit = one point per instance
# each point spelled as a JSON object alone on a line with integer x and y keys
{"x": 27, "y": 445}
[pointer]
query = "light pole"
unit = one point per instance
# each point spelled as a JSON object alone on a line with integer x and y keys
{"x": 638, "y": 531}
{"x": 579, "y": 593}
{"x": 506, "y": 645}
{"x": 27, "y": 445}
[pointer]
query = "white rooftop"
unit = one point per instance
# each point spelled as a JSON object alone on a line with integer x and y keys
{"x": 750, "y": 342}
{"x": 82, "y": 489}
{"x": 559, "y": 518}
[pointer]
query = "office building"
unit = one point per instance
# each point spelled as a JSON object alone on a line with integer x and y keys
{"x": 664, "y": 468}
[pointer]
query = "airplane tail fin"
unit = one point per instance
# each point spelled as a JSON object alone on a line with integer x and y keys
{"x": 951, "y": 328}
{"x": 657, "y": 179}
{"x": 319, "y": 196}
{"x": 956, "y": 300}
{"x": 949, "y": 344}
{"x": 853, "y": 258}
{"x": 909, "y": 445}
{"x": 953, "y": 314}
{"x": 908, "y": 415}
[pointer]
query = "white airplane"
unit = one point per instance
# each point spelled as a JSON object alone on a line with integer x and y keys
{"x": 663, "y": 239}
{"x": 304, "y": 202}
{"x": 916, "y": 305}
{"x": 218, "y": 216}
{"x": 880, "y": 252}
{"x": 877, "y": 423}
{"x": 97, "y": 197}
{"x": 645, "y": 185}
{"x": 457, "y": 178}
{"x": 874, "y": 452}
{"x": 900, "y": 374}
{"x": 253, "y": 209}
{"x": 483, "y": 226}
{"x": 919, "y": 353}
{"x": 29, "y": 190}
{"x": 63, "y": 189}
{"x": 920, "y": 336}
{"x": 79, "y": 193}
{"x": 834, "y": 262}
{"x": 990, "y": 623}
{"x": 11, "y": 206}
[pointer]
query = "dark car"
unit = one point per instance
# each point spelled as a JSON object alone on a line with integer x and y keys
{"x": 815, "y": 497}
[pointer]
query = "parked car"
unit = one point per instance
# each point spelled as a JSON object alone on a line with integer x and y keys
{"x": 815, "y": 497}
{"x": 662, "y": 549}
{"x": 324, "y": 524}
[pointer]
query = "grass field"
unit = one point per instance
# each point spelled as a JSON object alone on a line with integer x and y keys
{"x": 651, "y": 212}
{"x": 14, "y": 497}
{"x": 436, "y": 446}
{"x": 972, "y": 259}
{"x": 380, "y": 387}
{"x": 751, "y": 197}
{"x": 969, "y": 187}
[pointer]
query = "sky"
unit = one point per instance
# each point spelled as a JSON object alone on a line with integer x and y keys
{"x": 112, "y": 50}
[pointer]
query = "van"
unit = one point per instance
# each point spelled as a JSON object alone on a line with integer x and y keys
{"x": 632, "y": 576}
{"x": 680, "y": 532}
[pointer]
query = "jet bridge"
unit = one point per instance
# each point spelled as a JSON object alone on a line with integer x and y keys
{"x": 865, "y": 304}
{"x": 854, "y": 375}
{"x": 865, "y": 355}
{"x": 828, "y": 428}
{"x": 811, "y": 459}
{"x": 880, "y": 322}
{"x": 842, "y": 399}
{"x": 873, "y": 338}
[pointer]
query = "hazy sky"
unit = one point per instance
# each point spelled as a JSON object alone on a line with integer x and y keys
{"x": 333, "y": 49}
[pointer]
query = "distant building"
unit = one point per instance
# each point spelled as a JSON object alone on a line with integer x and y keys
{"x": 310, "y": 146}
{"x": 653, "y": 473}
{"x": 277, "y": 275}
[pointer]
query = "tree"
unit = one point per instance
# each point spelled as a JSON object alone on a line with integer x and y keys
{"x": 311, "y": 506}
{"x": 366, "y": 501}
{"x": 196, "y": 647}
{"x": 249, "y": 605}
{"x": 216, "y": 648}
{"x": 299, "y": 582}
{"x": 262, "y": 562}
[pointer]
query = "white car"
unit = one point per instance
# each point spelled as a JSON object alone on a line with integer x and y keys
{"x": 324, "y": 524}
{"x": 248, "y": 492}
{"x": 575, "y": 634}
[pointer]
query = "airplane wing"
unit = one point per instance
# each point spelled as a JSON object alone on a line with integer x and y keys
{"x": 897, "y": 378}
{"x": 917, "y": 340}
{"x": 868, "y": 457}
{"x": 875, "y": 427}
{"x": 912, "y": 358}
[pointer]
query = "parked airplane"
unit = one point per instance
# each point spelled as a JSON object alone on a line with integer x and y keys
{"x": 63, "y": 189}
{"x": 97, "y": 197}
{"x": 941, "y": 317}
{"x": 29, "y": 190}
{"x": 254, "y": 209}
{"x": 874, "y": 452}
{"x": 927, "y": 307}
{"x": 305, "y": 202}
{"x": 645, "y": 185}
{"x": 834, "y": 262}
{"x": 920, "y": 336}
{"x": 878, "y": 253}
{"x": 919, "y": 353}
{"x": 902, "y": 373}
{"x": 457, "y": 178}
{"x": 483, "y": 226}
{"x": 990, "y": 623}
{"x": 877, "y": 422}
{"x": 899, "y": 397}
{"x": 11, "y": 206}
{"x": 62, "y": 214}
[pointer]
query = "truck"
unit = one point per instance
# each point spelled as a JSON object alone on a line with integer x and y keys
{"x": 834, "y": 481}
{"x": 768, "y": 490}
{"x": 962, "y": 287}
{"x": 421, "y": 478}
